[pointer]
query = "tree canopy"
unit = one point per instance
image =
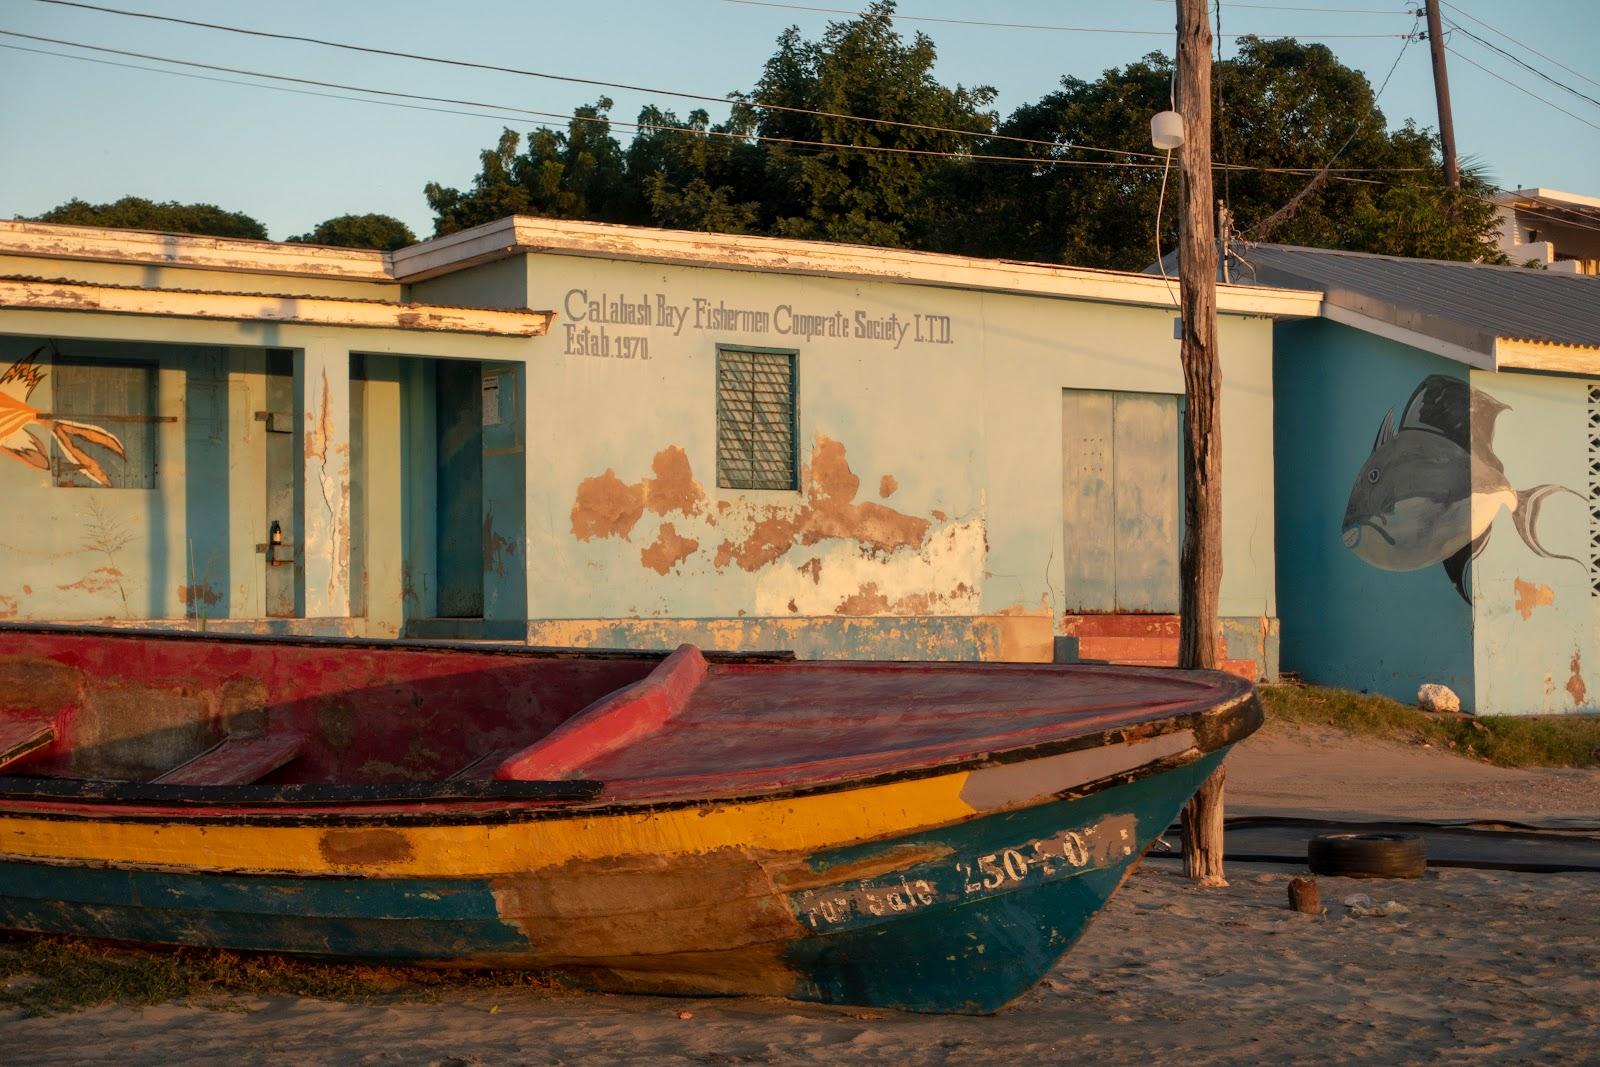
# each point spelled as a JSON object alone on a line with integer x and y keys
{"x": 940, "y": 171}
{"x": 137, "y": 213}
{"x": 383, "y": 232}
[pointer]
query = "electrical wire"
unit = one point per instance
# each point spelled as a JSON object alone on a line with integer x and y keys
{"x": 897, "y": 17}
{"x": 1521, "y": 88}
{"x": 1456, "y": 27}
{"x": 1161, "y": 263}
{"x": 1031, "y": 161}
{"x": 1520, "y": 44}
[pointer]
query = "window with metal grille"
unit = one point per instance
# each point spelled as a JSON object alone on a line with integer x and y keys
{"x": 756, "y": 419}
{"x": 95, "y": 402}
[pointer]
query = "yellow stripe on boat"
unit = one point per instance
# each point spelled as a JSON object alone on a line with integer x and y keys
{"x": 791, "y": 824}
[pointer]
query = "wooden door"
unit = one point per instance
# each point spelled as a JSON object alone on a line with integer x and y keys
{"x": 1120, "y": 501}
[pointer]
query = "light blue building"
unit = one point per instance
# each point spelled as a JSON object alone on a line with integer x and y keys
{"x": 1437, "y": 435}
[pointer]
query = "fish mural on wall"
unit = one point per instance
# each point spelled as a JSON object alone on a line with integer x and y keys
{"x": 1432, "y": 487}
{"x": 21, "y": 424}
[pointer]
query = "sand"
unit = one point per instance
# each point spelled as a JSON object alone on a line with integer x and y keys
{"x": 1485, "y": 967}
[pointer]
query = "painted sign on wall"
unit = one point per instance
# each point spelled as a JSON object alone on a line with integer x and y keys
{"x": 1433, "y": 486}
{"x": 21, "y": 425}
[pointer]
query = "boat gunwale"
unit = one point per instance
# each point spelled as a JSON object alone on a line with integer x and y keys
{"x": 493, "y": 802}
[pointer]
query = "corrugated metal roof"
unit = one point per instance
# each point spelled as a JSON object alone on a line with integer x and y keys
{"x": 1469, "y": 304}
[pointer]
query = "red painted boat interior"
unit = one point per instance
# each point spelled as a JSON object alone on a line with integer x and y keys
{"x": 136, "y": 706}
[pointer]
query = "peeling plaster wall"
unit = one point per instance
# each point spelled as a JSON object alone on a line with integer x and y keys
{"x": 931, "y": 476}
{"x": 1536, "y": 639}
{"x": 221, "y": 281}
{"x": 1344, "y": 621}
{"x": 112, "y": 553}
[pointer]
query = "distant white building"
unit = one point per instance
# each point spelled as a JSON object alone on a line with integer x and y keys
{"x": 1558, "y": 230}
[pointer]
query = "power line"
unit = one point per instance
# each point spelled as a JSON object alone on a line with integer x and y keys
{"x": 897, "y": 17}
{"x": 1519, "y": 61}
{"x": 1029, "y": 161}
{"x": 1519, "y": 44}
{"x": 471, "y": 64}
{"x": 1521, "y": 88}
{"x": 881, "y": 149}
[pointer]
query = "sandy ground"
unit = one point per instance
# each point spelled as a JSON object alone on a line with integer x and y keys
{"x": 1485, "y": 967}
{"x": 1286, "y": 769}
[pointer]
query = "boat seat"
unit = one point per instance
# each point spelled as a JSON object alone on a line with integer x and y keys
{"x": 23, "y": 734}
{"x": 237, "y": 761}
{"x": 615, "y": 721}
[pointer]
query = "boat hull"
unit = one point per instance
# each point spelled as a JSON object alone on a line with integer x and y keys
{"x": 948, "y": 893}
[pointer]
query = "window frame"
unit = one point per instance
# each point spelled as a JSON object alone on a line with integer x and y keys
{"x": 62, "y": 479}
{"x": 793, "y": 354}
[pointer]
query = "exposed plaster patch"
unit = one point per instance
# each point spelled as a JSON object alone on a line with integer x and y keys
{"x": 1575, "y": 687}
{"x": 865, "y": 601}
{"x": 199, "y": 593}
{"x": 99, "y": 580}
{"x": 887, "y": 485}
{"x": 1531, "y": 596}
{"x": 830, "y": 512}
{"x": 667, "y": 550}
{"x": 942, "y": 577}
{"x": 673, "y": 488}
{"x": 606, "y": 507}
{"x": 8, "y": 607}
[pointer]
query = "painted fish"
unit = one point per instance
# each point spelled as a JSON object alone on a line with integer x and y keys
{"x": 20, "y": 424}
{"x": 1432, "y": 488}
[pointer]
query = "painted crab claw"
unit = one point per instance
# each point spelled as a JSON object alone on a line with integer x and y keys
{"x": 67, "y": 435}
{"x": 24, "y": 445}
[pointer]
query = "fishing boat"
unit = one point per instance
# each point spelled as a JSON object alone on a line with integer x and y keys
{"x": 924, "y": 836}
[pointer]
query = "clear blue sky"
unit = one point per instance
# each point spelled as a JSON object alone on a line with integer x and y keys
{"x": 69, "y": 128}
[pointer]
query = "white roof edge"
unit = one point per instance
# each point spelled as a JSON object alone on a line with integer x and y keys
{"x": 99, "y": 244}
{"x": 525, "y": 234}
{"x": 1556, "y": 195}
{"x": 1554, "y": 357}
{"x": 1415, "y": 339}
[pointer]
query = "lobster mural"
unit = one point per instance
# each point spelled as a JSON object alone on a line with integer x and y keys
{"x": 22, "y": 426}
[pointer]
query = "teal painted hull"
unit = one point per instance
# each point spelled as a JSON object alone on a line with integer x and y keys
{"x": 986, "y": 936}
{"x": 984, "y": 913}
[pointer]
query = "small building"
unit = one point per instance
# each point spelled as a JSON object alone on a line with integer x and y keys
{"x": 580, "y": 434}
{"x": 1438, "y": 478}
{"x": 1551, "y": 229}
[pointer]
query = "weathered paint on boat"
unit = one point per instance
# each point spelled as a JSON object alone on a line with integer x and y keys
{"x": 946, "y": 886}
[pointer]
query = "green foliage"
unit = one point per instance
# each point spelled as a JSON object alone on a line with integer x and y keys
{"x": 137, "y": 213}
{"x": 576, "y": 174}
{"x": 47, "y": 975}
{"x": 1506, "y": 740}
{"x": 869, "y": 189}
{"x": 383, "y": 232}
{"x": 1280, "y": 105}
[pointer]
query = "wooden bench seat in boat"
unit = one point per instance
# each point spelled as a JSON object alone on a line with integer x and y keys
{"x": 23, "y": 734}
{"x": 237, "y": 761}
{"x": 614, "y": 721}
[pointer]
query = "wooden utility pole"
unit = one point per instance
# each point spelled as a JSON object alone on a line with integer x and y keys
{"x": 1441, "y": 92}
{"x": 1200, "y": 573}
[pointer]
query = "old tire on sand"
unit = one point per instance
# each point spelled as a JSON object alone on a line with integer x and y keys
{"x": 1356, "y": 855}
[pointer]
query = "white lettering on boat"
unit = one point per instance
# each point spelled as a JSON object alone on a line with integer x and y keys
{"x": 1069, "y": 852}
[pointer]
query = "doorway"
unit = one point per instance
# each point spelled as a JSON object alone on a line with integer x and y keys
{"x": 1121, "y": 455}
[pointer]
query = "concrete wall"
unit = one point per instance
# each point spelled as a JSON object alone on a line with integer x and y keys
{"x": 1537, "y": 635}
{"x": 169, "y": 552}
{"x": 928, "y": 519}
{"x": 1346, "y": 621}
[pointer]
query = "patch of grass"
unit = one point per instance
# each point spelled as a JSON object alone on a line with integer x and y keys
{"x": 1506, "y": 740}
{"x": 47, "y": 975}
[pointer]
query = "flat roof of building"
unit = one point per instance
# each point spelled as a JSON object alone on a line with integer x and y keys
{"x": 525, "y": 235}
